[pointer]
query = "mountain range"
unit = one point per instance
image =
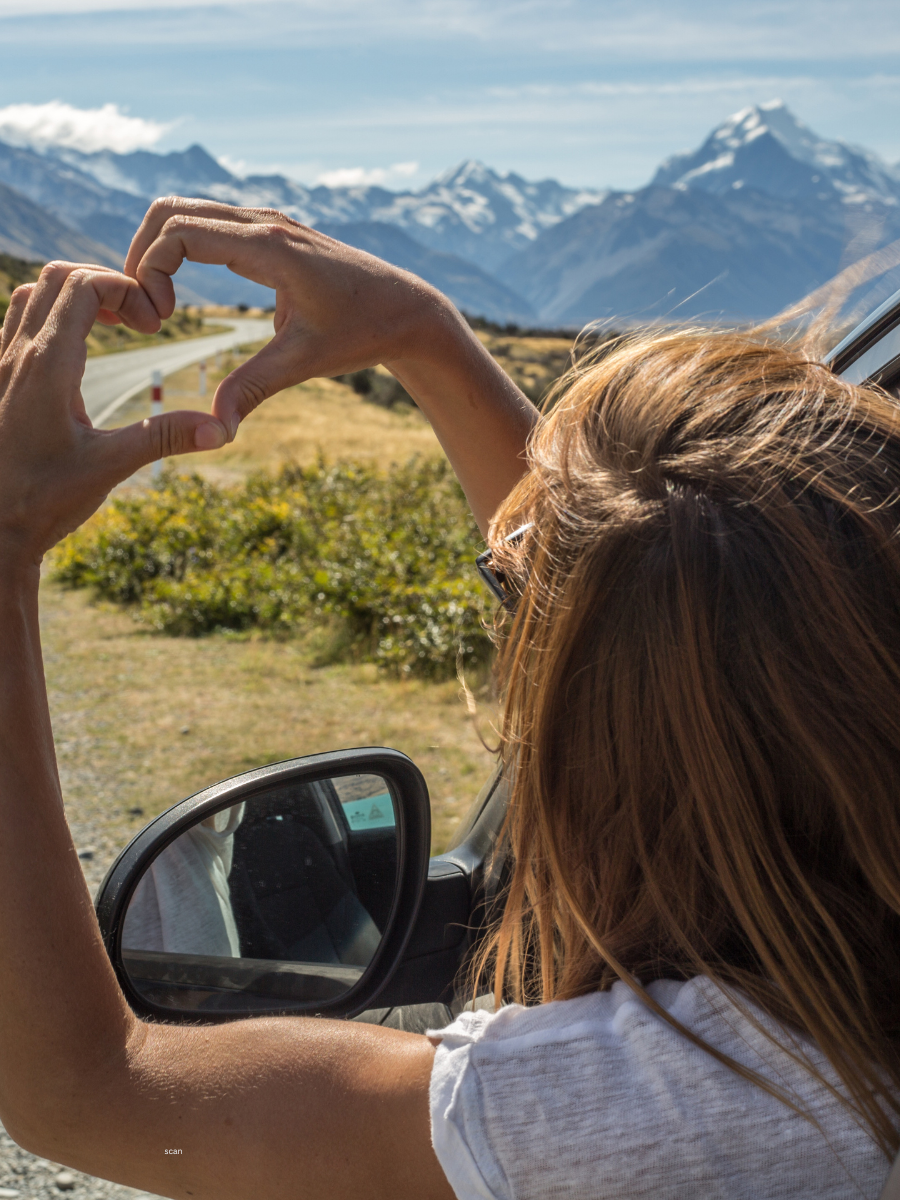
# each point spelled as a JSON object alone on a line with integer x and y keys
{"x": 763, "y": 212}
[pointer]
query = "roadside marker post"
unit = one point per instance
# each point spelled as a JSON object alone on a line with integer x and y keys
{"x": 156, "y": 407}
{"x": 201, "y": 386}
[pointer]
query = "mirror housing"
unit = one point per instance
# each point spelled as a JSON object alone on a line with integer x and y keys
{"x": 359, "y": 991}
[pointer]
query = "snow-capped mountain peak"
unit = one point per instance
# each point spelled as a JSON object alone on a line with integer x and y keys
{"x": 469, "y": 173}
{"x": 775, "y": 118}
{"x": 766, "y": 148}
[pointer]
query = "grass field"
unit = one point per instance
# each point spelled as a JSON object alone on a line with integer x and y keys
{"x": 142, "y": 721}
{"x": 323, "y": 416}
{"x": 320, "y": 416}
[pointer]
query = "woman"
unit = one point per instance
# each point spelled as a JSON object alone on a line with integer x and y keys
{"x": 702, "y": 678}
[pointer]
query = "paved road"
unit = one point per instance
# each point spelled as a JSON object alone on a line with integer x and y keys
{"x": 112, "y": 379}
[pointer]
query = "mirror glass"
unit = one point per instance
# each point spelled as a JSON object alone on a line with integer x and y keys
{"x": 284, "y": 896}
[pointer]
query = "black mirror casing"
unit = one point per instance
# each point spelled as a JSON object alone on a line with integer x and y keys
{"x": 463, "y": 894}
{"x": 413, "y": 821}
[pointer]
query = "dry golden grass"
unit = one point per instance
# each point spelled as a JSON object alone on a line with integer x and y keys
{"x": 533, "y": 362}
{"x": 317, "y": 417}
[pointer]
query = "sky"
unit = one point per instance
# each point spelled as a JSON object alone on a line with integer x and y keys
{"x": 595, "y": 93}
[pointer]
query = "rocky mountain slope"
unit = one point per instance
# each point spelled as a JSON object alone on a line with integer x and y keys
{"x": 30, "y": 232}
{"x": 663, "y": 253}
{"x": 471, "y": 210}
{"x": 761, "y": 213}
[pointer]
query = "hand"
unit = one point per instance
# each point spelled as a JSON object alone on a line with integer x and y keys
{"x": 55, "y": 468}
{"x": 338, "y": 310}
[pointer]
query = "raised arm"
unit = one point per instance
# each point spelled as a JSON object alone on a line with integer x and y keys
{"x": 290, "y": 1107}
{"x": 338, "y": 310}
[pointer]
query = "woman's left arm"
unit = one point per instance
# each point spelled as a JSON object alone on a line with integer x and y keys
{"x": 283, "y": 1106}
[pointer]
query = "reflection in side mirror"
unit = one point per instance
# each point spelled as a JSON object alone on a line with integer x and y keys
{"x": 280, "y": 901}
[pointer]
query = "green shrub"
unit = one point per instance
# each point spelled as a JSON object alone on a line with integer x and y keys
{"x": 378, "y": 388}
{"x": 387, "y": 556}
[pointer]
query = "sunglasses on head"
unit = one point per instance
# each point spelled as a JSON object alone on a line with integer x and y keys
{"x": 495, "y": 578}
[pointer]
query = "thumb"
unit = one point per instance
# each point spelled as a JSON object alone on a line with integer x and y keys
{"x": 273, "y": 368}
{"x": 172, "y": 433}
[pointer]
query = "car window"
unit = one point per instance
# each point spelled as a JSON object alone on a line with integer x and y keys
{"x": 365, "y": 803}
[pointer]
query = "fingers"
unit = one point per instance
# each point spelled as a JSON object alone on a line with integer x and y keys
{"x": 163, "y": 210}
{"x": 84, "y": 294}
{"x": 255, "y": 251}
{"x": 105, "y": 317}
{"x": 51, "y": 299}
{"x": 17, "y": 303}
{"x": 125, "y": 450}
{"x": 270, "y": 370}
{"x": 45, "y": 292}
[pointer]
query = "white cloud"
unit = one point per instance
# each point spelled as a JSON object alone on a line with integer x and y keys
{"x": 237, "y": 166}
{"x": 87, "y": 129}
{"x": 360, "y": 176}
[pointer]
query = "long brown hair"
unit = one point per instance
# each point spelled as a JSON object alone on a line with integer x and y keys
{"x": 702, "y": 682}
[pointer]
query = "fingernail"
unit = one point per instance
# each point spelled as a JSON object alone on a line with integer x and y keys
{"x": 209, "y": 436}
{"x": 235, "y": 421}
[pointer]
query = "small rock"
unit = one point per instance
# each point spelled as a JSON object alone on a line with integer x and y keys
{"x": 87, "y": 853}
{"x": 8, "y": 1192}
{"x": 137, "y": 811}
{"x": 65, "y": 1181}
{"x": 185, "y": 729}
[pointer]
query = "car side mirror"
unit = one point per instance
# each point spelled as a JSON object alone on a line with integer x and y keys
{"x": 293, "y": 888}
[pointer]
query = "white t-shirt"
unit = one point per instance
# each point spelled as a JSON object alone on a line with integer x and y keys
{"x": 600, "y": 1098}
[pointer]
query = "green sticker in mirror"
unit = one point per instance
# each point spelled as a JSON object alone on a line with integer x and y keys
{"x": 374, "y": 812}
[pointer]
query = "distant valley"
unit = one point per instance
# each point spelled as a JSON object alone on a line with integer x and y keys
{"x": 752, "y": 220}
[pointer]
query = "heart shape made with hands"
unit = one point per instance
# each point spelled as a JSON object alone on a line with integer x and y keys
{"x": 337, "y": 309}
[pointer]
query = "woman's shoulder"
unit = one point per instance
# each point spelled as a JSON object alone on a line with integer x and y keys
{"x": 612, "y": 1011}
{"x": 566, "y": 1097}
{"x": 638, "y": 1036}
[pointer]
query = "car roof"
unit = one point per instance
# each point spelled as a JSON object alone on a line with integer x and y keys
{"x": 870, "y": 353}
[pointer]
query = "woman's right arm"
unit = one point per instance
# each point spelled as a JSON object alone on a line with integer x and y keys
{"x": 317, "y": 1110}
{"x": 338, "y": 310}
